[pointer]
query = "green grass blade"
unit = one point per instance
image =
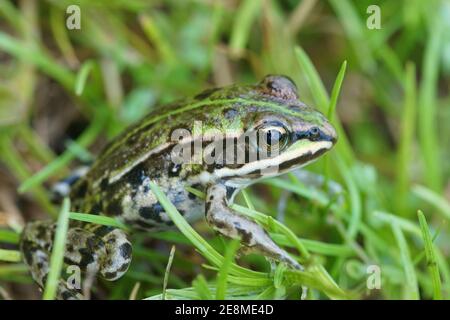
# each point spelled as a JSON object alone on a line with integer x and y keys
{"x": 405, "y": 149}
{"x": 223, "y": 273}
{"x": 431, "y": 257}
{"x": 203, "y": 246}
{"x": 10, "y": 255}
{"x": 57, "y": 257}
{"x": 201, "y": 287}
{"x": 245, "y": 16}
{"x": 412, "y": 287}
{"x": 166, "y": 274}
{"x": 82, "y": 75}
{"x": 336, "y": 90}
{"x": 93, "y": 218}
{"x": 318, "y": 90}
{"x": 428, "y": 133}
{"x": 322, "y": 100}
{"x": 9, "y": 236}
{"x": 434, "y": 199}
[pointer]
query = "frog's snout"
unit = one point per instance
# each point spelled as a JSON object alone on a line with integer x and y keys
{"x": 330, "y": 132}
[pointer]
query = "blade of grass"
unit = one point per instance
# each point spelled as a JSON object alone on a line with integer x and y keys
{"x": 430, "y": 255}
{"x": 97, "y": 219}
{"x": 245, "y": 16}
{"x": 82, "y": 75}
{"x": 322, "y": 101}
{"x": 405, "y": 150}
{"x": 434, "y": 199}
{"x": 204, "y": 247}
{"x": 57, "y": 257}
{"x": 9, "y": 236}
{"x": 201, "y": 287}
{"x": 248, "y": 202}
{"x": 336, "y": 90}
{"x": 428, "y": 133}
{"x": 223, "y": 273}
{"x": 153, "y": 33}
{"x": 412, "y": 288}
{"x": 166, "y": 274}
{"x": 10, "y": 255}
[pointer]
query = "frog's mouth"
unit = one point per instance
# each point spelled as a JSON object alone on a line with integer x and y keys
{"x": 299, "y": 154}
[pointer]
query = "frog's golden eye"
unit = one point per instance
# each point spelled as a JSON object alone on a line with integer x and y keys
{"x": 273, "y": 137}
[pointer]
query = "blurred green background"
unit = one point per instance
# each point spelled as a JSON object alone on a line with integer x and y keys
{"x": 64, "y": 93}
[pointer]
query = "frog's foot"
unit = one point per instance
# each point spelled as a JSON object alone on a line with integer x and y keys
{"x": 96, "y": 248}
{"x": 92, "y": 248}
{"x": 232, "y": 225}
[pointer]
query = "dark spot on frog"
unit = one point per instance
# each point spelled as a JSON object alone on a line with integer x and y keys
{"x": 69, "y": 248}
{"x": 67, "y": 295}
{"x": 94, "y": 244}
{"x": 230, "y": 192}
{"x": 28, "y": 251}
{"x": 103, "y": 231}
{"x": 96, "y": 208}
{"x": 230, "y": 113}
{"x": 152, "y": 212}
{"x": 86, "y": 257}
{"x": 246, "y": 236}
{"x": 137, "y": 175}
{"x": 104, "y": 184}
{"x": 295, "y": 108}
{"x": 81, "y": 189}
{"x": 206, "y": 93}
{"x": 220, "y": 225}
{"x": 125, "y": 250}
{"x": 110, "y": 275}
{"x": 123, "y": 267}
{"x": 41, "y": 232}
{"x": 174, "y": 169}
{"x": 207, "y": 206}
{"x": 114, "y": 208}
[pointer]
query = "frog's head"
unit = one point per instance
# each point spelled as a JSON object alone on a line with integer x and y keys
{"x": 294, "y": 134}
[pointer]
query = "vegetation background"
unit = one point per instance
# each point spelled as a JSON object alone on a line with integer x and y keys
{"x": 64, "y": 93}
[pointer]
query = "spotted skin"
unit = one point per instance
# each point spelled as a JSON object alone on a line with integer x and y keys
{"x": 117, "y": 183}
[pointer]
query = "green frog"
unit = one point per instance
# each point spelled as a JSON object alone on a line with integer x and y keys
{"x": 290, "y": 133}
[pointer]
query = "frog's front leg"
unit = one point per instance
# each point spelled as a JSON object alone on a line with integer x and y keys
{"x": 235, "y": 226}
{"x": 92, "y": 248}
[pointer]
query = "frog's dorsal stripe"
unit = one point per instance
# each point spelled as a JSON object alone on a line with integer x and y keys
{"x": 156, "y": 118}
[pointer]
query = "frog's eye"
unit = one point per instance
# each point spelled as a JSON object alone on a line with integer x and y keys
{"x": 273, "y": 137}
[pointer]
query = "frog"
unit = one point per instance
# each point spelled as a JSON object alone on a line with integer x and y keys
{"x": 117, "y": 184}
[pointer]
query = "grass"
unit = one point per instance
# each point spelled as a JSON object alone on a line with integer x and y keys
{"x": 385, "y": 91}
{"x": 431, "y": 257}
{"x": 57, "y": 256}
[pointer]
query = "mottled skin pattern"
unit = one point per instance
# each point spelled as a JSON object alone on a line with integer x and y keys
{"x": 117, "y": 184}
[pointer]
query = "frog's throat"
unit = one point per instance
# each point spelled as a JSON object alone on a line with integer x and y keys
{"x": 288, "y": 160}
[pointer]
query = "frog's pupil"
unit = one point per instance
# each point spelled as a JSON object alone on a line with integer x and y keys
{"x": 273, "y": 136}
